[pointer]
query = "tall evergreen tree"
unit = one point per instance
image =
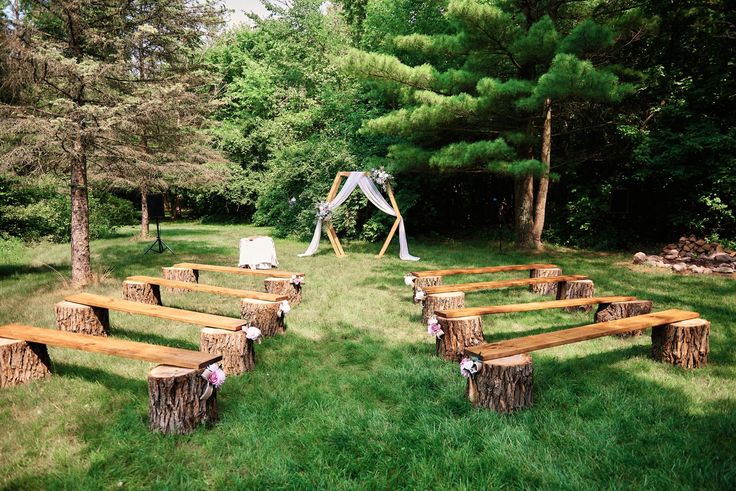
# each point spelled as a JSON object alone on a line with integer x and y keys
{"x": 485, "y": 97}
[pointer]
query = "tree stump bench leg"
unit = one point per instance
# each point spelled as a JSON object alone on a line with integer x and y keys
{"x": 174, "y": 400}
{"x": 619, "y": 310}
{"x": 137, "y": 291}
{"x": 264, "y": 315}
{"x": 544, "y": 288}
{"x": 180, "y": 274}
{"x": 237, "y": 351}
{"x": 685, "y": 344}
{"x": 22, "y": 362}
{"x": 75, "y": 317}
{"x": 459, "y": 333}
{"x": 421, "y": 282}
{"x": 441, "y": 301}
{"x": 503, "y": 385}
{"x": 576, "y": 289}
{"x": 284, "y": 286}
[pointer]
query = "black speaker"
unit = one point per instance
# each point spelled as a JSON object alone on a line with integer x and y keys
{"x": 155, "y": 205}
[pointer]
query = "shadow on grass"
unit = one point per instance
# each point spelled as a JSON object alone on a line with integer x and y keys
{"x": 13, "y": 269}
{"x": 100, "y": 376}
{"x": 150, "y": 338}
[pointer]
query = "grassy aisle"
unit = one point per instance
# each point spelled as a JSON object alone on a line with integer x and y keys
{"x": 352, "y": 396}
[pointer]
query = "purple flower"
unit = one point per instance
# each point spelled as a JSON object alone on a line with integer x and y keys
{"x": 253, "y": 333}
{"x": 469, "y": 367}
{"x": 216, "y": 376}
{"x": 296, "y": 280}
{"x": 434, "y": 328}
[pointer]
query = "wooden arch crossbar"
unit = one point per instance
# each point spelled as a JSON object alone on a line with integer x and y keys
{"x": 339, "y": 252}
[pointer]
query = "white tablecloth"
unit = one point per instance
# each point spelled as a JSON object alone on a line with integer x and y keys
{"x": 257, "y": 253}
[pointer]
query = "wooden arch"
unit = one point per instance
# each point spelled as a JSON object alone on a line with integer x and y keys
{"x": 339, "y": 252}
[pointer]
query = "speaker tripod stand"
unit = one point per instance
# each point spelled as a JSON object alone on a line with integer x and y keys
{"x": 159, "y": 245}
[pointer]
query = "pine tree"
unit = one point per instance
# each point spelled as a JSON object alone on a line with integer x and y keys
{"x": 71, "y": 63}
{"x": 504, "y": 68}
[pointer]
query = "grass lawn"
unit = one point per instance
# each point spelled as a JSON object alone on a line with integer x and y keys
{"x": 352, "y": 396}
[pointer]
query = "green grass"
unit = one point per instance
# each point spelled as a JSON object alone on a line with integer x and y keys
{"x": 352, "y": 396}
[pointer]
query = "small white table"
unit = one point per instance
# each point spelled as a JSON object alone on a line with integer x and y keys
{"x": 257, "y": 253}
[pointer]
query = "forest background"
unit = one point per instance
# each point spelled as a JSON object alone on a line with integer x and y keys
{"x": 642, "y": 128}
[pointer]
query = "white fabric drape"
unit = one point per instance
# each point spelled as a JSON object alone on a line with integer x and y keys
{"x": 374, "y": 196}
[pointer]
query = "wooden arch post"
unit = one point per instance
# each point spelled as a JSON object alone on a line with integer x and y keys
{"x": 339, "y": 252}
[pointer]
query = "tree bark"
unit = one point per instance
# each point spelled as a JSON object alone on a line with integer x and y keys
{"x": 523, "y": 203}
{"x": 685, "y": 344}
{"x": 441, "y": 301}
{"x": 503, "y": 385}
{"x": 262, "y": 314}
{"x": 80, "y": 255}
{"x": 421, "y": 282}
{"x": 459, "y": 333}
{"x": 21, "y": 362}
{"x": 237, "y": 351}
{"x": 83, "y": 319}
{"x": 136, "y": 291}
{"x": 174, "y": 404}
{"x": 284, "y": 286}
{"x": 180, "y": 274}
{"x": 145, "y": 219}
{"x": 541, "y": 203}
{"x": 545, "y": 288}
{"x": 620, "y": 310}
{"x": 576, "y": 289}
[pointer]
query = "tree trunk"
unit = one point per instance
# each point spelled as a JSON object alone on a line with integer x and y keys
{"x": 459, "y": 333}
{"x": 21, "y": 362}
{"x": 421, "y": 282}
{"x": 237, "y": 351}
{"x": 180, "y": 274}
{"x": 262, "y": 314}
{"x": 541, "y": 204}
{"x": 284, "y": 286}
{"x": 503, "y": 385}
{"x": 174, "y": 404}
{"x": 136, "y": 291}
{"x": 523, "y": 203}
{"x": 576, "y": 289}
{"x": 544, "y": 288}
{"x": 81, "y": 269}
{"x": 145, "y": 219}
{"x": 621, "y": 310}
{"x": 441, "y": 301}
{"x": 83, "y": 319}
{"x": 685, "y": 344}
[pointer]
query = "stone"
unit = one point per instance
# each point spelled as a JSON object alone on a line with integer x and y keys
{"x": 671, "y": 246}
{"x": 722, "y": 257}
{"x": 707, "y": 271}
{"x": 679, "y": 267}
{"x": 639, "y": 258}
{"x": 719, "y": 248}
{"x": 671, "y": 257}
{"x": 682, "y": 240}
{"x": 700, "y": 242}
{"x": 654, "y": 259}
{"x": 724, "y": 269}
{"x": 707, "y": 247}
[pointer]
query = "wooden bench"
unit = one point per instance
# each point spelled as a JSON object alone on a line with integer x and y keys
{"x": 145, "y": 289}
{"x": 276, "y": 281}
{"x": 463, "y": 328}
{"x": 446, "y": 297}
{"x": 423, "y": 279}
{"x": 175, "y": 386}
{"x": 679, "y": 337}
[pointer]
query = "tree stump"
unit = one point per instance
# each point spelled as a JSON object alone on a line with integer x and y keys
{"x": 576, "y": 289}
{"x": 180, "y": 274}
{"x": 620, "y": 310}
{"x": 284, "y": 286}
{"x": 75, "y": 317}
{"x": 237, "y": 351}
{"x": 21, "y": 362}
{"x": 262, "y": 314}
{"x": 544, "y": 288}
{"x": 441, "y": 301}
{"x": 136, "y": 291}
{"x": 685, "y": 343}
{"x": 459, "y": 333}
{"x": 503, "y": 385}
{"x": 421, "y": 282}
{"x": 174, "y": 404}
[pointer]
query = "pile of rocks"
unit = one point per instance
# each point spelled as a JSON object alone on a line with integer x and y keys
{"x": 693, "y": 255}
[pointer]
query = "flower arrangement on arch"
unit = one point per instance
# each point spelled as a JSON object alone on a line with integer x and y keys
{"x": 434, "y": 328}
{"x": 324, "y": 211}
{"x": 381, "y": 177}
{"x": 469, "y": 367}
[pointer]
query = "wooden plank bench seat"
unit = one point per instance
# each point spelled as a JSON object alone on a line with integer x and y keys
{"x": 272, "y": 273}
{"x": 528, "y": 307}
{"x": 481, "y": 270}
{"x": 491, "y": 285}
{"x": 501, "y": 372}
{"x": 169, "y": 313}
{"x": 180, "y": 395}
{"x": 216, "y": 290}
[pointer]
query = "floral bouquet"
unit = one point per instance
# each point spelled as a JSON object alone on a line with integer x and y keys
{"x": 324, "y": 211}
{"x": 381, "y": 177}
{"x": 433, "y": 328}
{"x": 469, "y": 367}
